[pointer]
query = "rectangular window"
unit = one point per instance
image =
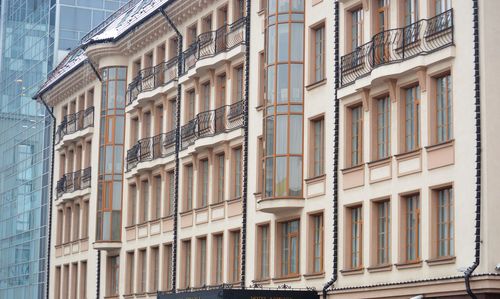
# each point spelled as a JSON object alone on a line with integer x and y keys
{"x": 444, "y": 109}
{"x": 220, "y": 164}
{"x": 445, "y": 223}
{"x": 237, "y": 172}
{"x": 129, "y": 286}
{"x": 289, "y": 248}
{"x": 189, "y": 188}
{"x": 85, "y": 216}
{"x": 316, "y": 243}
{"x": 144, "y": 216}
{"x": 155, "y": 269}
{"x": 383, "y": 127}
{"x": 171, "y": 189}
{"x": 76, "y": 222}
{"x": 206, "y": 97}
{"x": 356, "y": 135}
{"x": 172, "y": 115}
{"x": 190, "y": 106}
{"x": 221, "y": 91}
{"x": 157, "y": 203}
{"x": 186, "y": 264}
{"x": 411, "y": 205}
{"x": 318, "y": 147}
{"x": 204, "y": 183}
{"x": 440, "y": 6}
{"x": 239, "y": 84}
{"x": 410, "y": 12}
{"x": 356, "y": 237}
{"x": 67, "y": 225}
{"x": 57, "y": 283}
{"x": 60, "y": 221}
{"x": 114, "y": 275}
{"x": 146, "y": 125}
{"x": 235, "y": 256}
{"x": 132, "y": 202}
{"x": 356, "y": 28}
{"x": 383, "y": 228}
{"x": 319, "y": 53}
{"x": 142, "y": 271}
{"x": 263, "y": 251}
{"x": 218, "y": 256}
{"x": 167, "y": 267}
{"x": 83, "y": 279}
{"x": 412, "y": 118}
{"x": 202, "y": 261}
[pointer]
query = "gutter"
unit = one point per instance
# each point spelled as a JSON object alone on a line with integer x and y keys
{"x": 51, "y": 194}
{"x": 330, "y": 283}
{"x": 477, "y": 96}
{"x": 177, "y": 144}
{"x": 244, "y": 206}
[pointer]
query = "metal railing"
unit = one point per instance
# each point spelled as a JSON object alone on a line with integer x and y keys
{"x": 211, "y": 123}
{"x": 151, "y": 78}
{"x": 74, "y": 181}
{"x": 396, "y": 45}
{"x": 211, "y": 43}
{"x": 151, "y": 148}
{"x": 206, "y": 45}
{"x": 205, "y": 124}
{"x": 74, "y": 122}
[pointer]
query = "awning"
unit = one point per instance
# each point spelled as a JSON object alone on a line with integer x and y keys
{"x": 242, "y": 294}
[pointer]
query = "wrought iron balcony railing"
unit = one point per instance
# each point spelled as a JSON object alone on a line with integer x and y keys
{"x": 205, "y": 124}
{"x": 396, "y": 45}
{"x": 151, "y": 148}
{"x": 212, "y": 122}
{"x": 206, "y": 45}
{"x": 151, "y": 78}
{"x": 211, "y": 43}
{"x": 75, "y": 122}
{"x": 74, "y": 181}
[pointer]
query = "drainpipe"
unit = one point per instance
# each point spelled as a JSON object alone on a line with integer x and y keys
{"x": 98, "y": 280}
{"x": 244, "y": 206}
{"x": 335, "y": 151}
{"x": 51, "y": 193}
{"x": 177, "y": 143}
{"x": 477, "y": 95}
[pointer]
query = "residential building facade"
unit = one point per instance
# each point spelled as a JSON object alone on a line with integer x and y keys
{"x": 274, "y": 145}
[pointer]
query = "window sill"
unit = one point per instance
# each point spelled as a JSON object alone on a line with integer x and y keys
{"x": 353, "y": 168}
{"x": 295, "y": 277}
{"x": 234, "y": 199}
{"x": 111, "y": 296}
{"x": 441, "y": 261}
{"x": 216, "y": 204}
{"x": 409, "y": 265}
{"x": 316, "y": 84}
{"x": 261, "y": 12}
{"x": 314, "y": 275}
{"x": 409, "y": 154}
{"x": 379, "y": 161}
{"x": 315, "y": 179}
{"x": 379, "y": 268}
{"x": 202, "y": 209}
{"x": 440, "y": 145}
{"x": 355, "y": 271}
{"x": 128, "y": 295}
{"x": 260, "y": 107}
{"x": 186, "y": 212}
{"x": 262, "y": 281}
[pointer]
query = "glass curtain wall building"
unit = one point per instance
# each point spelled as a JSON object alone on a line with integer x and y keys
{"x": 34, "y": 35}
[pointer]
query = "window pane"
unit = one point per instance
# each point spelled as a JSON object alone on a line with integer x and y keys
{"x": 297, "y": 83}
{"x": 295, "y": 176}
{"x": 280, "y": 184}
{"x": 282, "y": 88}
{"x": 298, "y": 42}
{"x": 283, "y": 42}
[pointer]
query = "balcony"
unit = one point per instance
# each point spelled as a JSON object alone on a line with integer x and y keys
{"x": 211, "y": 43}
{"x": 205, "y": 124}
{"x": 397, "y": 45}
{"x": 211, "y": 123}
{"x": 73, "y": 181}
{"x": 75, "y": 122}
{"x": 151, "y": 148}
{"x": 153, "y": 77}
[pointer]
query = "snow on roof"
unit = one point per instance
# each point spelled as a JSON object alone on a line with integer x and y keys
{"x": 135, "y": 13}
{"x": 74, "y": 59}
{"x": 125, "y": 18}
